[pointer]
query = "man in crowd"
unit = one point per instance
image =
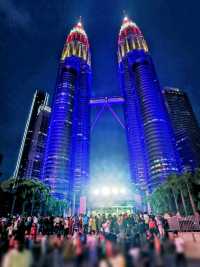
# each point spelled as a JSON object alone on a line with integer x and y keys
{"x": 83, "y": 240}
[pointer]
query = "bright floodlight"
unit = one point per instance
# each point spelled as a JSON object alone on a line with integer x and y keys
{"x": 115, "y": 190}
{"x": 105, "y": 191}
{"x": 96, "y": 192}
{"x": 123, "y": 190}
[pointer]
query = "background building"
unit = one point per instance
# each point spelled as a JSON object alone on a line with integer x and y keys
{"x": 150, "y": 139}
{"x": 185, "y": 127}
{"x": 66, "y": 163}
{"x": 39, "y": 98}
{"x": 38, "y": 142}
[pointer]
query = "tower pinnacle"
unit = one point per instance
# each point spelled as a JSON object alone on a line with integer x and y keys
{"x": 77, "y": 43}
{"x": 125, "y": 19}
{"x": 130, "y": 38}
{"x": 125, "y": 16}
{"x": 79, "y": 24}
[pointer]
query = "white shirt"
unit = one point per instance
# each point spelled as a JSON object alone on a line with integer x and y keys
{"x": 14, "y": 258}
{"x": 179, "y": 244}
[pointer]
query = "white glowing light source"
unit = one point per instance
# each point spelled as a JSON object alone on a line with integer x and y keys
{"x": 79, "y": 24}
{"x": 106, "y": 191}
{"x": 96, "y": 192}
{"x": 115, "y": 190}
{"x": 123, "y": 190}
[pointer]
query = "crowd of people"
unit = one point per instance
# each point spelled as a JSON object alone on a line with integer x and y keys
{"x": 138, "y": 240}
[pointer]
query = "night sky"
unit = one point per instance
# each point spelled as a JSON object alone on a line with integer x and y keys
{"x": 32, "y": 37}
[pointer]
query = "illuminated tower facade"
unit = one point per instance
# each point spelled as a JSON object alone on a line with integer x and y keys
{"x": 150, "y": 139}
{"x": 66, "y": 163}
{"x": 39, "y": 98}
{"x": 37, "y": 148}
{"x": 185, "y": 127}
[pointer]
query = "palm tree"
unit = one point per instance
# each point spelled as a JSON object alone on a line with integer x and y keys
{"x": 158, "y": 200}
{"x": 38, "y": 190}
{"x": 27, "y": 190}
{"x": 168, "y": 193}
{"x": 187, "y": 179}
{"x": 10, "y": 185}
{"x": 180, "y": 184}
{"x": 172, "y": 184}
{"x": 196, "y": 182}
{"x": 181, "y": 188}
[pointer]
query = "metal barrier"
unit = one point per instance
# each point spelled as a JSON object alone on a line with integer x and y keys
{"x": 184, "y": 224}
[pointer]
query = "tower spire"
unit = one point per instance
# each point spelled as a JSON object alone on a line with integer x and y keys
{"x": 77, "y": 43}
{"x": 125, "y": 17}
{"x": 80, "y": 21}
{"x": 130, "y": 38}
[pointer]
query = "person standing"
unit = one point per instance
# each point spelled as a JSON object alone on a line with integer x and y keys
{"x": 18, "y": 257}
{"x": 160, "y": 226}
{"x": 33, "y": 232}
{"x": 85, "y": 224}
{"x": 66, "y": 226}
{"x": 180, "y": 249}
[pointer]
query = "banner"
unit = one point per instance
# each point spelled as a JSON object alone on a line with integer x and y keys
{"x": 83, "y": 205}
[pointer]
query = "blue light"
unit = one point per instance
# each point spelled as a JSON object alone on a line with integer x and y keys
{"x": 66, "y": 149}
{"x": 151, "y": 142}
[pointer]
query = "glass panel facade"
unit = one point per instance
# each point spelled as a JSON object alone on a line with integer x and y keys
{"x": 151, "y": 142}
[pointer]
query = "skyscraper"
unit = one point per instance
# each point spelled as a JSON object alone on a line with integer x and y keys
{"x": 185, "y": 127}
{"x": 39, "y": 98}
{"x": 150, "y": 139}
{"x": 66, "y": 163}
{"x": 38, "y": 142}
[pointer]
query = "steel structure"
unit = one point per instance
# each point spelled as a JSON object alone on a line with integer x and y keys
{"x": 106, "y": 104}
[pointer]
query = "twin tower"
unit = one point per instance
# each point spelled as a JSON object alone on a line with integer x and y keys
{"x": 151, "y": 144}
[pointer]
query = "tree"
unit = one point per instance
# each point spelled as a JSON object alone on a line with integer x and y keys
{"x": 26, "y": 191}
{"x": 158, "y": 200}
{"x": 188, "y": 179}
{"x": 172, "y": 184}
{"x": 196, "y": 188}
{"x": 182, "y": 187}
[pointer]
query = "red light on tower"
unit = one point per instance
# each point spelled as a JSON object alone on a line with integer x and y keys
{"x": 77, "y": 44}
